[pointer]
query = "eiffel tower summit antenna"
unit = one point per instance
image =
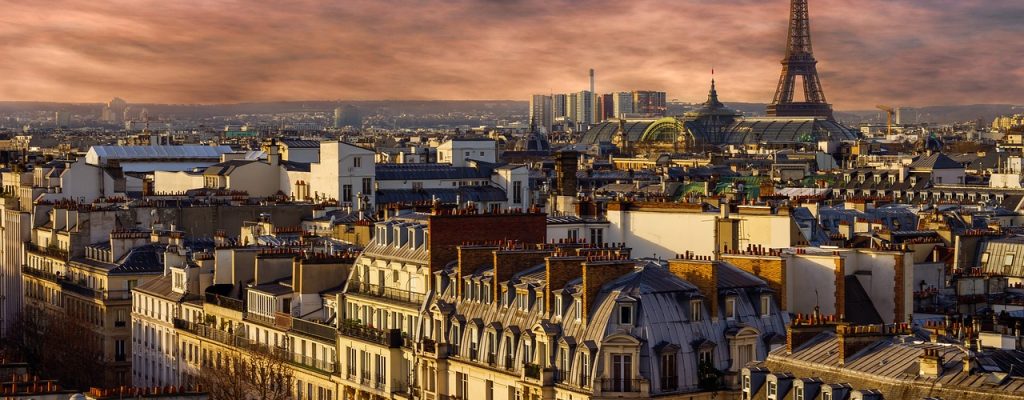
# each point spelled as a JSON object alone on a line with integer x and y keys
{"x": 799, "y": 62}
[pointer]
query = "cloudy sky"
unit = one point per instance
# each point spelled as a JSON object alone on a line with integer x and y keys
{"x": 906, "y": 52}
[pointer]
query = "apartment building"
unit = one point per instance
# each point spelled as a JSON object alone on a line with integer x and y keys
{"x": 90, "y": 284}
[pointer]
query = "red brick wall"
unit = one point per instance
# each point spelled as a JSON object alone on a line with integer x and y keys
{"x": 449, "y": 231}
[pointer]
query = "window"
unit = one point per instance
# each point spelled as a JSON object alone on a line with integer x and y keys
{"x": 367, "y": 186}
{"x": 597, "y": 236}
{"x": 669, "y": 377}
{"x": 622, "y": 373}
{"x": 558, "y": 305}
{"x": 696, "y": 310}
{"x": 705, "y": 357}
{"x": 579, "y": 309}
{"x": 730, "y": 308}
{"x": 984, "y": 258}
{"x": 489, "y": 390}
{"x": 625, "y": 314}
{"x": 766, "y": 305}
{"x": 1008, "y": 260}
{"x": 417, "y": 185}
{"x": 746, "y": 354}
{"x": 799, "y": 393}
{"x": 773, "y": 390}
{"x": 346, "y": 193}
{"x": 826, "y": 396}
{"x": 746, "y": 383}
{"x": 573, "y": 235}
{"x": 357, "y": 162}
{"x": 584, "y": 370}
{"x": 461, "y": 385}
{"x": 517, "y": 192}
{"x": 455, "y": 337}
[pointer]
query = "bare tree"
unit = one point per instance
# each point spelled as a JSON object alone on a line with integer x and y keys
{"x": 248, "y": 374}
{"x": 57, "y": 345}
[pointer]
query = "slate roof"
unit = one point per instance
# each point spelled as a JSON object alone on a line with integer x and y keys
{"x": 300, "y": 144}
{"x": 430, "y": 171}
{"x": 936, "y": 161}
{"x": 463, "y": 193}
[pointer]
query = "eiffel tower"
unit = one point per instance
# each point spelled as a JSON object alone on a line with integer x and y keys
{"x": 799, "y": 62}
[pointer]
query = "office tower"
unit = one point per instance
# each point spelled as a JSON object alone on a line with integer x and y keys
{"x": 114, "y": 111}
{"x": 571, "y": 109}
{"x": 559, "y": 107}
{"x": 337, "y": 117}
{"x": 62, "y": 119}
{"x": 623, "y": 104}
{"x": 540, "y": 112}
{"x": 586, "y": 108}
{"x": 649, "y": 102}
{"x": 605, "y": 106}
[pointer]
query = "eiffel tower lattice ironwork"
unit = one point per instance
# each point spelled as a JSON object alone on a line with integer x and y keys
{"x": 799, "y": 62}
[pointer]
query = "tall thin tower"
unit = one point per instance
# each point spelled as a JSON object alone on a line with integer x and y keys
{"x": 799, "y": 62}
{"x": 592, "y": 81}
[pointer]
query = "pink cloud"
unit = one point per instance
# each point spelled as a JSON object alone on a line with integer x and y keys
{"x": 869, "y": 51}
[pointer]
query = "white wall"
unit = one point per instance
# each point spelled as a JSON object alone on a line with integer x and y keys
{"x": 174, "y": 182}
{"x": 665, "y": 233}
{"x": 337, "y": 168}
{"x": 456, "y": 152}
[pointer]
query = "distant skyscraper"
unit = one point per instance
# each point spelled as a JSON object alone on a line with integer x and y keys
{"x": 586, "y": 109}
{"x": 62, "y": 119}
{"x": 571, "y": 107}
{"x": 605, "y": 106}
{"x": 540, "y": 111}
{"x": 558, "y": 106}
{"x": 114, "y": 111}
{"x": 623, "y": 104}
{"x": 349, "y": 115}
{"x": 649, "y": 102}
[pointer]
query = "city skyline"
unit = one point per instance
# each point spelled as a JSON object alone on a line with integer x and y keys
{"x": 205, "y": 52}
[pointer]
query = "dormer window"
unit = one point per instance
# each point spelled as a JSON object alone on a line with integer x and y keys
{"x": 773, "y": 390}
{"x": 878, "y": 179}
{"x": 730, "y": 308}
{"x": 625, "y": 314}
{"x": 984, "y": 258}
{"x": 696, "y": 310}
{"x": 579, "y": 309}
{"x": 846, "y": 177}
{"x": 892, "y": 179}
{"x": 558, "y": 305}
{"x": 766, "y": 305}
{"x": 522, "y": 301}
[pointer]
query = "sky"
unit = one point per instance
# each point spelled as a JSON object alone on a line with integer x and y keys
{"x": 897, "y": 52}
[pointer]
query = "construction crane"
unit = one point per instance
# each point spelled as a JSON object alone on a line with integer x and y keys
{"x": 890, "y": 111}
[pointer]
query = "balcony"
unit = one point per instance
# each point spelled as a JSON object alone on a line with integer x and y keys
{"x": 428, "y": 346}
{"x": 226, "y": 302}
{"x": 314, "y": 363}
{"x": 78, "y": 288}
{"x": 314, "y": 329}
{"x": 538, "y": 375}
{"x": 48, "y": 251}
{"x": 532, "y": 371}
{"x": 621, "y": 385}
{"x": 399, "y": 295}
{"x": 392, "y": 338}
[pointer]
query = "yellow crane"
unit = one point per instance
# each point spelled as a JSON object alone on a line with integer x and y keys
{"x": 890, "y": 112}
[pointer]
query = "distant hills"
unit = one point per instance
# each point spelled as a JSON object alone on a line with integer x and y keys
{"x": 498, "y": 108}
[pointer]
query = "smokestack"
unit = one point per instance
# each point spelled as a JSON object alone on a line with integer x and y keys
{"x": 592, "y": 81}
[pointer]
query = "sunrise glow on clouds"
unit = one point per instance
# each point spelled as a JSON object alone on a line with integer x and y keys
{"x": 910, "y": 52}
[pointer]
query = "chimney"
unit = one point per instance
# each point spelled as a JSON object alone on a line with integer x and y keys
{"x": 930, "y": 363}
{"x": 472, "y": 258}
{"x": 596, "y": 274}
{"x": 558, "y": 272}
{"x": 701, "y": 273}
{"x": 854, "y": 338}
{"x": 510, "y": 262}
{"x": 273, "y": 157}
{"x": 806, "y": 327}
